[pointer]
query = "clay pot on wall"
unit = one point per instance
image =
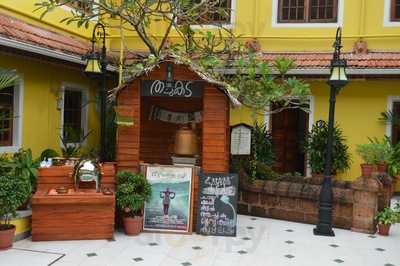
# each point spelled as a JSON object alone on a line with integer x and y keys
{"x": 367, "y": 169}
{"x": 7, "y": 237}
{"x": 382, "y": 168}
{"x": 133, "y": 225}
{"x": 383, "y": 229}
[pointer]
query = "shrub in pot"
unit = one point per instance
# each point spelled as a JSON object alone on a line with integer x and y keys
{"x": 368, "y": 155}
{"x": 14, "y": 190}
{"x": 316, "y": 149}
{"x": 385, "y": 219}
{"x": 133, "y": 190}
{"x": 383, "y": 153}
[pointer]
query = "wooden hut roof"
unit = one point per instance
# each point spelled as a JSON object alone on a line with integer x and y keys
{"x": 223, "y": 86}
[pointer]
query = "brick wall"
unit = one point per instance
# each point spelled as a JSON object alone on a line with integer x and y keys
{"x": 355, "y": 204}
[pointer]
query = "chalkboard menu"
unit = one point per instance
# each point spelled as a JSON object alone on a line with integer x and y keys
{"x": 217, "y": 203}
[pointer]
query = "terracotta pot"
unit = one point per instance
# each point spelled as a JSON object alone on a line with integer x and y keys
{"x": 133, "y": 225}
{"x": 383, "y": 229}
{"x": 367, "y": 169}
{"x": 382, "y": 168}
{"x": 7, "y": 237}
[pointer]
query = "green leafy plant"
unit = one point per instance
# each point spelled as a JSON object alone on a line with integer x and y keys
{"x": 394, "y": 161}
{"x": 387, "y": 216}
{"x": 22, "y": 164}
{"x": 14, "y": 191}
{"x": 133, "y": 190}
{"x": 383, "y": 149}
{"x": 72, "y": 142}
{"x": 367, "y": 152}
{"x": 48, "y": 153}
{"x": 7, "y": 78}
{"x": 377, "y": 151}
{"x": 316, "y": 149}
{"x": 262, "y": 144}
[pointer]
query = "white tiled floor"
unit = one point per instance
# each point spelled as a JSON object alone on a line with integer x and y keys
{"x": 266, "y": 242}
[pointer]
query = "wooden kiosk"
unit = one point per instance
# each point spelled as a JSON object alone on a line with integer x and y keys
{"x": 150, "y": 140}
{"x": 77, "y": 215}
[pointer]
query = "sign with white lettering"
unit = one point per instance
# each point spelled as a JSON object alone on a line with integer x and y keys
{"x": 216, "y": 209}
{"x": 175, "y": 88}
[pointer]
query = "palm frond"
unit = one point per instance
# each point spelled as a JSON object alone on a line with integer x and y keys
{"x": 7, "y": 78}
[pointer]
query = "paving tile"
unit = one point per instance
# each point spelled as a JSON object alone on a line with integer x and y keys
{"x": 338, "y": 261}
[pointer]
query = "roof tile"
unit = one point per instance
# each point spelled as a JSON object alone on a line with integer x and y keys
{"x": 19, "y": 30}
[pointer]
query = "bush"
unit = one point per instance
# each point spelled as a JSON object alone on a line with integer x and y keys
{"x": 133, "y": 190}
{"x": 23, "y": 165}
{"x": 14, "y": 191}
{"x": 262, "y": 145}
{"x": 376, "y": 151}
{"x": 387, "y": 216}
{"x": 48, "y": 153}
{"x": 316, "y": 149}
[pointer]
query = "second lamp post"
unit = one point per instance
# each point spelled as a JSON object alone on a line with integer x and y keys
{"x": 337, "y": 81}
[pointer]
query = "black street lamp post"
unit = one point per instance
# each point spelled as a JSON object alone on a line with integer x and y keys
{"x": 337, "y": 81}
{"x": 97, "y": 64}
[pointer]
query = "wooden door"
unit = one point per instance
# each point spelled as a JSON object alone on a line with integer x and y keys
{"x": 288, "y": 133}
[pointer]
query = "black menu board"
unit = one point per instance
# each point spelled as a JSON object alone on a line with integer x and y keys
{"x": 217, "y": 204}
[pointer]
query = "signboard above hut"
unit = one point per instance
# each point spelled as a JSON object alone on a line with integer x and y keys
{"x": 171, "y": 87}
{"x": 174, "y": 88}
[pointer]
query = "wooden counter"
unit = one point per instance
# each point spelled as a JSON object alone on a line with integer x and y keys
{"x": 73, "y": 216}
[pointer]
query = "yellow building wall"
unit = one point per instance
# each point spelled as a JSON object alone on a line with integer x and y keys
{"x": 24, "y": 9}
{"x": 253, "y": 19}
{"x": 358, "y": 109}
{"x": 41, "y": 119}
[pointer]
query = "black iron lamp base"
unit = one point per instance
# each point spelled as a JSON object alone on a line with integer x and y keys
{"x": 323, "y": 230}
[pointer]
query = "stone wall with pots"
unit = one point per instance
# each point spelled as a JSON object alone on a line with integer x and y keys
{"x": 355, "y": 204}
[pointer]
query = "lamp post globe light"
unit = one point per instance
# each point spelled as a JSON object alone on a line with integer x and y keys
{"x": 96, "y": 64}
{"x": 337, "y": 80}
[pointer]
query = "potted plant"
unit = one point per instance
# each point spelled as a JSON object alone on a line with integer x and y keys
{"x": 14, "y": 190}
{"x": 316, "y": 149}
{"x": 367, "y": 153}
{"x": 383, "y": 150}
{"x": 385, "y": 219}
{"x": 133, "y": 190}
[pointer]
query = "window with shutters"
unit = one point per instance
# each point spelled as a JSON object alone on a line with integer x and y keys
{"x": 308, "y": 11}
{"x": 395, "y": 10}
{"x": 6, "y": 116}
